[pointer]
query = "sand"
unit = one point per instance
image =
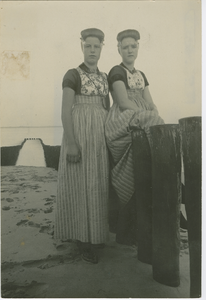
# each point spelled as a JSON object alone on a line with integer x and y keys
{"x": 34, "y": 267}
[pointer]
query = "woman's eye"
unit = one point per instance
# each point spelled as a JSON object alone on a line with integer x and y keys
{"x": 132, "y": 46}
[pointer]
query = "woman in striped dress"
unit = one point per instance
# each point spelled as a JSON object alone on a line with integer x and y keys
{"x": 132, "y": 106}
{"x": 82, "y": 189}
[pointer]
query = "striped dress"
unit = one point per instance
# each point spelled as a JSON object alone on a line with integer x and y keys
{"x": 118, "y": 133}
{"x": 82, "y": 188}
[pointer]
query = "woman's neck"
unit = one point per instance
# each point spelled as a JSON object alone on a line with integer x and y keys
{"x": 130, "y": 67}
{"x": 92, "y": 68}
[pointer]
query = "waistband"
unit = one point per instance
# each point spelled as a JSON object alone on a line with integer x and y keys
{"x": 81, "y": 99}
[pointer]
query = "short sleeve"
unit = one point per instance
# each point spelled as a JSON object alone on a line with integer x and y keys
{"x": 117, "y": 73}
{"x": 71, "y": 80}
{"x": 145, "y": 79}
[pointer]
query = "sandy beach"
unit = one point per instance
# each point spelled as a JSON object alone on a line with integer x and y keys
{"x": 34, "y": 267}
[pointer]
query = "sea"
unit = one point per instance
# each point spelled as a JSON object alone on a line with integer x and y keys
{"x": 32, "y": 153}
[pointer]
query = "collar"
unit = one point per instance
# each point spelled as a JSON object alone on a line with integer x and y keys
{"x": 132, "y": 72}
{"x": 87, "y": 70}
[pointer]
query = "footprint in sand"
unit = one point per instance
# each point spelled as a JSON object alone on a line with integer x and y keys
{"x": 6, "y": 208}
{"x": 48, "y": 203}
{"x": 19, "y": 210}
{"x": 9, "y": 200}
{"x": 15, "y": 192}
{"x": 32, "y": 224}
{"x": 45, "y": 229}
{"x": 21, "y": 222}
{"x": 13, "y": 179}
{"x": 35, "y": 187}
{"x": 48, "y": 210}
{"x": 48, "y": 199}
{"x": 48, "y": 221}
{"x": 23, "y": 184}
{"x": 32, "y": 210}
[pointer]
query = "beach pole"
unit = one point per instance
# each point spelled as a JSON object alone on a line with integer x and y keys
{"x": 166, "y": 199}
{"x": 143, "y": 181}
{"x": 190, "y": 129}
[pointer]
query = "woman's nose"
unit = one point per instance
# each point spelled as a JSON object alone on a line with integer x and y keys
{"x": 92, "y": 49}
{"x": 130, "y": 49}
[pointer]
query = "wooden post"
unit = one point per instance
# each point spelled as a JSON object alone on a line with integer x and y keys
{"x": 166, "y": 197}
{"x": 190, "y": 129}
{"x": 143, "y": 182}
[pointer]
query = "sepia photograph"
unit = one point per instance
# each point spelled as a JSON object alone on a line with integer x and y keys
{"x": 101, "y": 149}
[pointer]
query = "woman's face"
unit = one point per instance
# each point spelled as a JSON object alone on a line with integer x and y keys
{"x": 128, "y": 50}
{"x": 91, "y": 48}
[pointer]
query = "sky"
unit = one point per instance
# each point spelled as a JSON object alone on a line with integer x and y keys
{"x": 40, "y": 41}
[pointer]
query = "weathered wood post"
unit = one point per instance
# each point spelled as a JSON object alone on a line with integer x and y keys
{"x": 166, "y": 198}
{"x": 190, "y": 129}
{"x": 143, "y": 182}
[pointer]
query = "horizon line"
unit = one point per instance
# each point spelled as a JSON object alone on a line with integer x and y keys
{"x": 29, "y": 126}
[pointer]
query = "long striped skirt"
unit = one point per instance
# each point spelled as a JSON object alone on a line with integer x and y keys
{"x": 82, "y": 188}
{"x": 119, "y": 140}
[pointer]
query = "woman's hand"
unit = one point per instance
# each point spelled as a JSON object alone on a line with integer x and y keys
{"x": 73, "y": 154}
{"x": 148, "y": 98}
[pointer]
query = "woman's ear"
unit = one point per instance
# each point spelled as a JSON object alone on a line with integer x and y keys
{"x": 82, "y": 46}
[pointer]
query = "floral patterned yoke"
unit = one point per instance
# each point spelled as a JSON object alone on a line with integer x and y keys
{"x": 93, "y": 84}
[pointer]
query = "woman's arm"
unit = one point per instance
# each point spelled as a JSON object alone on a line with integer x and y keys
{"x": 121, "y": 97}
{"x": 107, "y": 102}
{"x": 148, "y": 98}
{"x": 73, "y": 153}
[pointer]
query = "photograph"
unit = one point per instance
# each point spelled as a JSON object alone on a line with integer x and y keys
{"x": 101, "y": 149}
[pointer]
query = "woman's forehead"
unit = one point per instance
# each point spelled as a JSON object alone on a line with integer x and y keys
{"x": 92, "y": 40}
{"x": 128, "y": 40}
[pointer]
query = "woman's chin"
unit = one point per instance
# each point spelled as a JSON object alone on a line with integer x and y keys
{"x": 92, "y": 61}
{"x": 130, "y": 60}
